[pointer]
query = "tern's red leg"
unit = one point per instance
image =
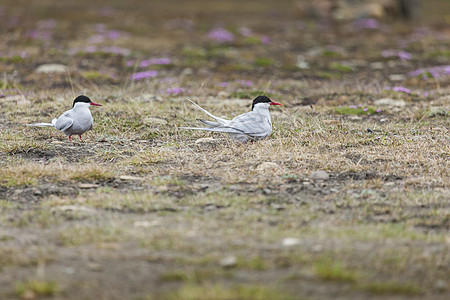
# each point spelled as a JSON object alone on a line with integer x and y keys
{"x": 80, "y": 138}
{"x": 70, "y": 138}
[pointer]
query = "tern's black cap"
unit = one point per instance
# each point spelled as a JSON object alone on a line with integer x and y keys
{"x": 261, "y": 99}
{"x": 81, "y": 98}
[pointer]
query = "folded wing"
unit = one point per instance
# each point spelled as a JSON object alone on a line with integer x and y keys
{"x": 63, "y": 122}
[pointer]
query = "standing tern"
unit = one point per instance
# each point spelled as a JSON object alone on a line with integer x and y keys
{"x": 253, "y": 125}
{"x": 75, "y": 121}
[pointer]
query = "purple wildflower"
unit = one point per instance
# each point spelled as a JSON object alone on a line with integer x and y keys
{"x": 221, "y": 35}
{"x": 46, "y": 24}
{"x": 223, "y": 84}
{"x": 378, "y": 110}
{"x": 401, "y": 89}
{"x": 365, "y": 109}
{"x": 425, "y": 94}
{"x": 174, "y": 91}
{"x": 104, "y": 49}
{"x": 403, "y": 55}
{"x": 143, "y": 75}
{"x": 113, "y": 34}
{"x": 155, "y": 61}
{"x": 366, "y": 24}
{"x": 42, "y": 35}
{"x": 352, "y": 106}
{"x": 245, "y": 82}
{"x": 436, "y": 71}
{"x": 265, "y": 39}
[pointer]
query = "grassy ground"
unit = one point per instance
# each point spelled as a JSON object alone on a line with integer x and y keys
{"x": 144, "y": 210}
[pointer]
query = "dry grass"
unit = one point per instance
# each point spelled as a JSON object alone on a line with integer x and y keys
{"x": 139, "y": 209}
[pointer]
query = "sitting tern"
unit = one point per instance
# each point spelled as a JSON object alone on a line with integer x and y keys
{"x": 253, "y": 125}
{"x": 75, "y": 121}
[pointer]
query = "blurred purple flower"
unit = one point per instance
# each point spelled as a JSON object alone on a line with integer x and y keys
{"x": 175, "y": 91}
{"x": 365, "y": 109}
{"x": 101, "y": 49}
{"x": 378, "y": 110}
{"x": 113, "y": 34}
{"x": 436, "y": 71}
{"x": 46, "y": 24}
{"x": 366, "y": 24}
{"x": 155, "y": 61}
{"x": 42, "y": 35}
{"x": 143, "y": 75}
{"x": 221, "y": 35}
{"x": 401, "y": 89}
{"x": 403, "y": 55}
{"x": 223, "y": 84}
{"x": 103, "y": 34}
{"x": 265, "y": 39}
{"x": 244, "y": 82}
{"x": 352, "y": 106}
{"x": 425, "y": 94}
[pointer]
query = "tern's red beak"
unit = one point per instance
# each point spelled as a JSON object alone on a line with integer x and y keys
{"x": 275, "y": 103}
{"x": 96, "y": 104}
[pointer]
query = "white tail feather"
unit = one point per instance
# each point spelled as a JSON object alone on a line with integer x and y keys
{"x": 223, "y": 121}
{"x": 40, "y": 125}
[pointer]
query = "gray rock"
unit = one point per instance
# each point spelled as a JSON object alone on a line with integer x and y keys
{"x": 126, "y": 177}
{"x": 397, "y": 77}
{"x": 390, "y": 102}
{"x": 51, "y": 68}
{"x": 229, "y": 261}
{"x": 268, "y": 166}
{"x": 207, "y": 140}
{"x": 88, "y": 185}
{"x": 319, "y": 175}
{"x": 288, "y": 242}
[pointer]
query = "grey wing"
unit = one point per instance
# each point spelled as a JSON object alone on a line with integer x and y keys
{"x": 251, "y": 124}
{"x": 64, "y": 122}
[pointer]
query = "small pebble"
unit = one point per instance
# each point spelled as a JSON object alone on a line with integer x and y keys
{"x": 228, "y": 262}
{"x": 319, "y": 175}
{"x": 288, "y": 242}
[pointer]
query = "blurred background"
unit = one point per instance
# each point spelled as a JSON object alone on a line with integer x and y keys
{"x": 114, "y": 43}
